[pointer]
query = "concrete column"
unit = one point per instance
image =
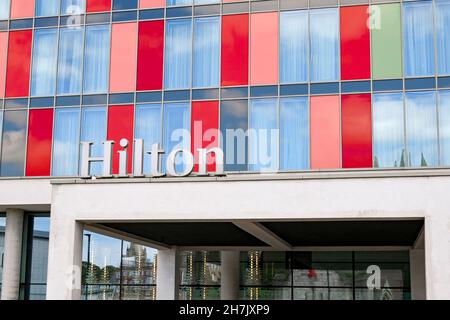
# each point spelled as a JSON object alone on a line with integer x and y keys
{"x": 229, "y": 278}
{"x": 12, "y": 254}
{"x": 64, "y": 258}
{"x": 417, "y": 268}
{"x": 167, "y": 275}
{"x": 437, "y": 255}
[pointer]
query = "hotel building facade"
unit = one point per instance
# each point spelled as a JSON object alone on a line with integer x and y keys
{"x": 207, "y": 149}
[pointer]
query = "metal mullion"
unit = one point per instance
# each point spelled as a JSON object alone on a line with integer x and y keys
{"x": 81, "y": 115}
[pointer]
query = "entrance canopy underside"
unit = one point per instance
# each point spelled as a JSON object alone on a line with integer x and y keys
{"x": 277, "y": 234}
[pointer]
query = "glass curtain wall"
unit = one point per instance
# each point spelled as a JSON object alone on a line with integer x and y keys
{"x": 117, "y": 270}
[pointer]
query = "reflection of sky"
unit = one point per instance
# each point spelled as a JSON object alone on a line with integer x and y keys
{"x": 2, "y": 221}
{"x": 42, "y": 224}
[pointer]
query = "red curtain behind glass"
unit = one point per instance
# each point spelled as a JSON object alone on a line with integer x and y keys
{"x": 150, "y": 55}
{"x": 98, "y": 5}
{"x": 205, "y": 119}
{"x": 235, "y": 50}
{"x": 355, "y": 43}
{"x": 39, "y": 146}
{"x": 19, "y": 62}
{"x": 120, "y": 125}
{"x": 356, "y": 131}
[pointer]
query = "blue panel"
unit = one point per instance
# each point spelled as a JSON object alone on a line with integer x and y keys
{"x": 21, "y": 24}
{"x": 206, "y": 52}
{"x": 155, "y": 96}
{"x": 421, "y": 129}
{"x": 16, "y": 103}
{"x": 95, "y": 99}
{"x": 124, "y": 16}
{"x": 444, "y": 82}
{"x": 388, "y": 130}
{"x": 3, "y": 25}
{"x": 176, "y": 130}
{"x": 233, "y": 126}
{"x": 93, "y": 129}
{"x": 294, "y": 46}
{"x": 124, "y": 4}
{"x": 148, "y": 128}
{"x": 293, "y": 89}
{"x": 325, "y": 88}
{"x": 120, "y": 98}
{"x": 178, "y": 52}
{"x": 96, "y": 59}
{"x": 264, "y": 91}
{"x": 324, "y": 34}
{"x": 418, "y": 42}
{"x": 46, "y": 22}
{"x": 207, "y": 10}
{"x": 205, "y": 94}
{"x": 179, "y": 95}
{"x": 43, "y": 74}
{"x": 388, "y": 85}
{"x": 355, "y": 86}
{"x": 65, "y": 142}
{"x": 151, "y": 14}
{"x": 72, "y": 21}
{"x": 230, "y": 93}
{"x": 420, "y": 83}
{"x": 294, "y": 134}
{"x": 178, "y": 12}
{"x": 97, "y": 18}
{"x": 68, "y": 101}
{"x": 178, "y": 2}
{"x": 263, "y": 142}
{"x": 41, "y": 102}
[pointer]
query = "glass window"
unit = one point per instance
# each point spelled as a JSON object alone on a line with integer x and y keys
{"x": 47, "y": 7}
{"x": 444, "y": 126}
{"x": 263, "y": 135}
{"x": 234, "y": 126}
{"x": 73, "y": 6}
{"x": 294, "y": 46}
{"x": 177, "y": 121}
{"x": 43, "y": 75}
{"x": 199, "y": 275}
{"x": 178, "y": 52}
{"x": 148, "y": 128}
{"x": 124, "y": 4}
{"x": 206, "y": 52}
{"x": 13, "y": 143}
{"x": 70, "y": 60}
{"x": 178, "y": 2}
{"x": 96, "y": 59}
{"x": 443, "y": 41}
{"x": 65, "y": 142}
{"x": 93, "y": 129}
{"x": 418, "y": 38}
{"x": 4, "y": 9}
{"x": 324, "y": 35}
{"x": 388, "y": 130}
{"x": 294, "y": 133}
{"x": 35, "y": 281}
{"x": 421, "y": 129}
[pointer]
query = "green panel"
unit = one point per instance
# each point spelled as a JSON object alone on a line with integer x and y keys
{"x": 386, "y": 41}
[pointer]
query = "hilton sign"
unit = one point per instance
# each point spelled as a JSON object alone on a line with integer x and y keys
{"x": 155, "y": 154}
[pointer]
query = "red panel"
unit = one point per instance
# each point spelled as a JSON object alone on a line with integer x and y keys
{"x": 19, "y": 61}
{"x": 39, "y": 146}
{"x": 120, "y": 125}
{"x": 150, "y": 55}
{"x": 235, "y": 50}
{"x": 355, "y": 43}
{"x": 356, "y": 131}
{"x": 98, "y": 5}
{"x": 205, "y": 130}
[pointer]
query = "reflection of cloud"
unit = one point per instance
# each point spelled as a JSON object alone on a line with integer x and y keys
{"x": 13, "y": 146}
